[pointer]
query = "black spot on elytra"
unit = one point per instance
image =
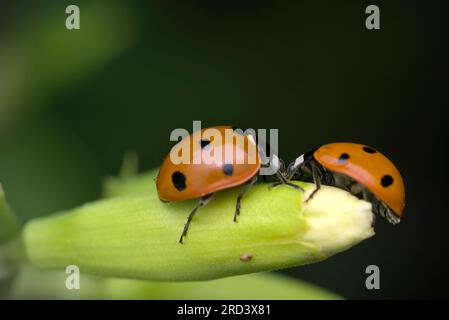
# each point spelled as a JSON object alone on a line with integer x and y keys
{"x": 179, "y": 180}
{"x": 386, "y": 180}
{"x": 204, "y": 143}
{"x": 369, "y": 150}
{"x": 343, "y": 157}
{"x": 228, "y": 169}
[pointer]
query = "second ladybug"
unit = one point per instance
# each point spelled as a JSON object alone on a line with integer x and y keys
{"x": 357, "y": 168}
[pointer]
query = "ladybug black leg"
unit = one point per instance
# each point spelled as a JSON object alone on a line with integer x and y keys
{"x": 248, "y": 186}
{"x": 284, "y": 181}
{"x": 288, "y": 184}
{"x": 316, "y": 180}
{"x": 294, "y": 186}
{"x": 275, "y": 184}
{"x": 201, "y": 203}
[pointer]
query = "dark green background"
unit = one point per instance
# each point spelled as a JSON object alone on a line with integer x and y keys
{"x": 72, "y": 102}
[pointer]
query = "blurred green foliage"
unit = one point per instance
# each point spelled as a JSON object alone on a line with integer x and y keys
{"x": 256, "y": 286}
{"x": 8, "y": 221}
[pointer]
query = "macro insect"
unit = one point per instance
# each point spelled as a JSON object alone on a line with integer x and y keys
{"x": 357, "y": 168}
{"x": 236, "y": 161}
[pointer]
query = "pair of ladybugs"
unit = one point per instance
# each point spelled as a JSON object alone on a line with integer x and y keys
{"x": 357, "y": 168}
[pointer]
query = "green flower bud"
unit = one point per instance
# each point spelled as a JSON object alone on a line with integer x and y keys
{"x": 136, "y": 235}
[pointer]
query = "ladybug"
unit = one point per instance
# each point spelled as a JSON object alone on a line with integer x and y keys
{"x": 199, "y": 179}
{"x": 357, "y": 168}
